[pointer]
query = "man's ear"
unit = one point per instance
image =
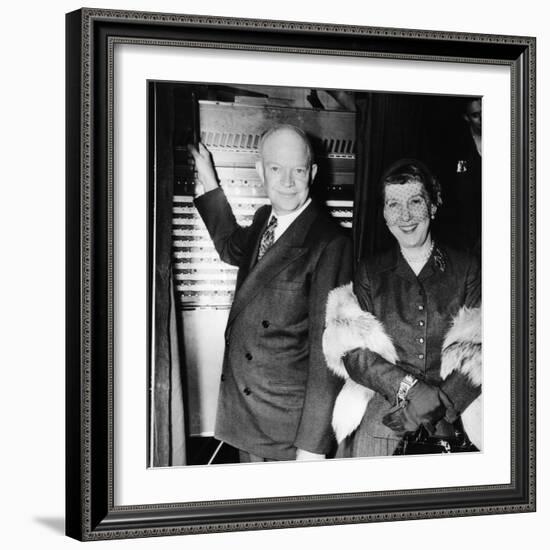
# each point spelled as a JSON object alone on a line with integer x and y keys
{"x": 260, "y": 170}
{"x": 313, "y": 172}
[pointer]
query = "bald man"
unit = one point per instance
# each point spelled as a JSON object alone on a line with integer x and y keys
{"x": 276, "y": 394}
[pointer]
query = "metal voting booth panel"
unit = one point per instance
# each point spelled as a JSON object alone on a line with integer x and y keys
{"x": 204, "y": 284}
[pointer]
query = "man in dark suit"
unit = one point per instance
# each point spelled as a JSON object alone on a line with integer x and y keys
{"x": 276, "y": 394}
{"x": 460, "y": 220}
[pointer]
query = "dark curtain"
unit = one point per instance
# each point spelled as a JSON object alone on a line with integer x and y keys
{"x": 167, "y": 433}
{"x": 394, "y": 126}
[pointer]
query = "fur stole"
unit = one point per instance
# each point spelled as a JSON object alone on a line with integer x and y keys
{"x": 349, "y": 327}
{"x": 462, "y": 354}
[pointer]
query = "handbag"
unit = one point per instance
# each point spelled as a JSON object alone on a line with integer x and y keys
{"x": 421, "y": 442}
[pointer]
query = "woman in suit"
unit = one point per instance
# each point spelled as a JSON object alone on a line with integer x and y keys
{"x": 407, "y": 337}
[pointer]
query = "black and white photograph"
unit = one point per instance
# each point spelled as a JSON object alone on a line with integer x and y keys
{"x": 218, "y": 246}
{"x": 314, "y": 274}
{"x": 300, "y": 268}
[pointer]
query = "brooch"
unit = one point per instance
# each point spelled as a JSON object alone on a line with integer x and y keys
{"x": 439, "y": 259}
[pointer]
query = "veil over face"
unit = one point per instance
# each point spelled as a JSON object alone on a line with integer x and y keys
{"x": 407, "y": 211}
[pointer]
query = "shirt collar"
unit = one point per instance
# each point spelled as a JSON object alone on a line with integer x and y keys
{"x": 393, "y": 259}
{"x": 284, "y": 221}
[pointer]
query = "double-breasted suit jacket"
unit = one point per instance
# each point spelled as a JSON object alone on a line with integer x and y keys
{"x": 276, "y": 394}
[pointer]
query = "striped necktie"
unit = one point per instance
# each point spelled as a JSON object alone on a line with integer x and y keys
{"x": 268, "y": 238}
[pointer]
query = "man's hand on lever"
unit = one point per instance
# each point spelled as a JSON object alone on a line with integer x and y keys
{"x": 206, "y": 174}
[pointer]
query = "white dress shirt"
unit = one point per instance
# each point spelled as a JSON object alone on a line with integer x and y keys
{"x": 284, "y": 221}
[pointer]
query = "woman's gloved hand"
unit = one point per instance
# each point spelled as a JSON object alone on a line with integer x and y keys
{"x": 424, "y": 405}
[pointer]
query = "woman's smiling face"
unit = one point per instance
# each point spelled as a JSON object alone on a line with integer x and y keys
{"x": 407, "y": 212}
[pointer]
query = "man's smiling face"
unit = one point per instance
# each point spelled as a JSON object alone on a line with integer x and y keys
{"x": 286, "y": 170}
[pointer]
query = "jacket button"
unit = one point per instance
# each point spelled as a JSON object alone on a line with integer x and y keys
{"x": 249, "y": 356}
{"x": 421, "y": 356}
{"x": 421, "y": 340}
{"x": 421, "y": 323}
{"x": 265, "y": 324}
{"x": 420, "y": 307}
{"x": 247, "y": 391}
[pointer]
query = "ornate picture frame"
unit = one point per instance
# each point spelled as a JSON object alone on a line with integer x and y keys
{"x": 91, "y": 509}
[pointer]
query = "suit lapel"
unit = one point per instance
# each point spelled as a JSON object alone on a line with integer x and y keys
{"x": 404, "y": 270}
{"x": 285, "y": 250}
{"x": 250, "y": 259}
{"x": 393, "y": 260}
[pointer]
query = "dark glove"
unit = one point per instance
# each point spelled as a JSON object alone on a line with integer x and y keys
{"x": 373, "y": 371}
{"x": 461, "y": 391}
{"x": 424, "y": 406}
